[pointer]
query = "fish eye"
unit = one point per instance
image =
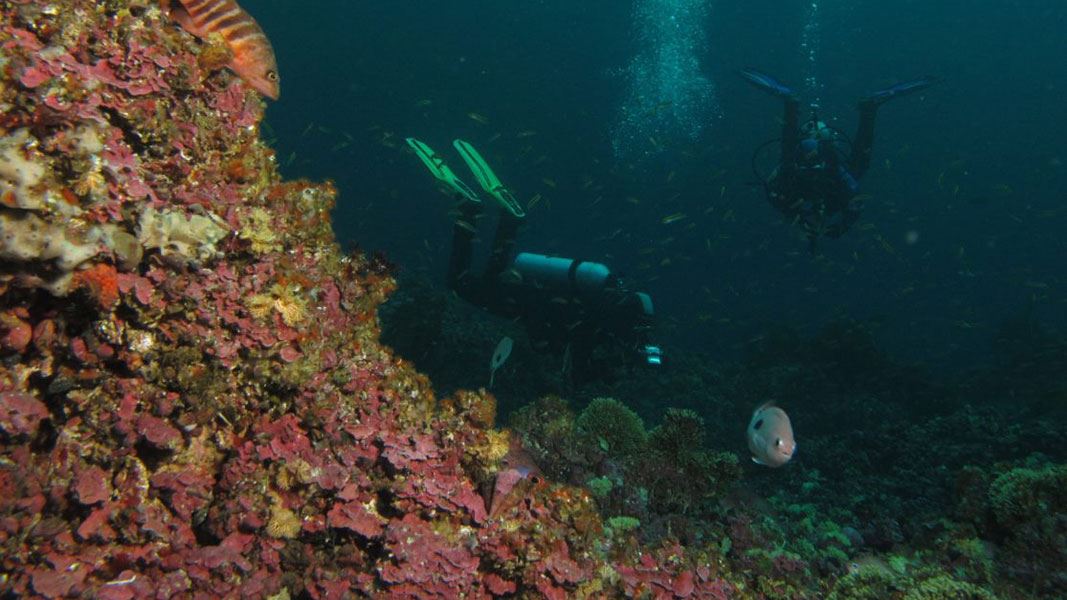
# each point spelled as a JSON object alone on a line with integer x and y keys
{"x": 778, "y": 442}
{"x": 272, "y": 75}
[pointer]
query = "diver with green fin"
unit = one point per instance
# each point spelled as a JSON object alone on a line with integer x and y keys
{"x": 816, "y": 182}
{"x": 577, "y": 308}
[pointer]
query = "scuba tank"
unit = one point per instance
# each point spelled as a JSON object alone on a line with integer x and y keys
{"x": 563, "y": 275}
{"x": 594, "y": 282}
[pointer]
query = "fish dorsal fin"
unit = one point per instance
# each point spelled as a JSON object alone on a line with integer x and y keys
{"x": 767, "y": 404}
{"x": 181, "y": 15}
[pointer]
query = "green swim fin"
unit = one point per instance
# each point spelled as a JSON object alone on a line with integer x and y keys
{"x": 488, "y": 179}
{"x": 441, "y": 171}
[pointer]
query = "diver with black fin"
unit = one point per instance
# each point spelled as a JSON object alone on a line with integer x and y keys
{"x": 578, "y": 309}
{"x": 816, "y": 182}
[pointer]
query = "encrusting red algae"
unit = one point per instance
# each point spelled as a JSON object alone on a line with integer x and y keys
{"x": 193, "y": 397}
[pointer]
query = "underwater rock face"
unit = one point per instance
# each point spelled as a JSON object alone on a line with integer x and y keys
{"x": 190, "y": 239}
{"x": 203, "y": 406}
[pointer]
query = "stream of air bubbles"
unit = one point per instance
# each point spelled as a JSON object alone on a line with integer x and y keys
{"x": 669, "y": 99}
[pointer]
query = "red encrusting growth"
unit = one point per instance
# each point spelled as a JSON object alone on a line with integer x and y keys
{"x": 101, "y": 281}
{"x": 216, "y": 415}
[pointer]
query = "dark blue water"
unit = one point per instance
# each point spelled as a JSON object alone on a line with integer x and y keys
{"x": 974, "y": 169}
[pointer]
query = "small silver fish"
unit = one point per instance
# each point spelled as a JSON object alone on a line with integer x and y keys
{"x": 770, "y": 436}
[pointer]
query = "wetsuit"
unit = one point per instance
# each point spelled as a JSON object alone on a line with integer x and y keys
{"x": 816, "y": 184}
{"x": 580, "y": 324}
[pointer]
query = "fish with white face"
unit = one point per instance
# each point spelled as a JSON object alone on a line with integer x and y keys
{"x": 770, "y": 436}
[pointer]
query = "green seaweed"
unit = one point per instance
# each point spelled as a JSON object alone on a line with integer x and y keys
{"x": 617, "y": 429}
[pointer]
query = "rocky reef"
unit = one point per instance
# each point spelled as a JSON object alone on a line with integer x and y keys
{"x": 195, "y": 401}
{"x": 193, "y": 397}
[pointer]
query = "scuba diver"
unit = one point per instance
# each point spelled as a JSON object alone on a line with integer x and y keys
{"x": 569, "y": 306}
{"x": 816, "y": 182}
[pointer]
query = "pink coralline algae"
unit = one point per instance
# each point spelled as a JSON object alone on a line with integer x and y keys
{"x": 15, "y": 333}
{"x": 429, "y": 563}
{"x": 355, "y": 511}
{"x": 206, "y": 410}
{"x": 92, "y": 486}
{"x": 21, "y": 413}
{"x": 662, "y": 575}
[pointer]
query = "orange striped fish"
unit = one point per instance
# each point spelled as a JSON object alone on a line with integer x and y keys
{"x": 253, "y": 56}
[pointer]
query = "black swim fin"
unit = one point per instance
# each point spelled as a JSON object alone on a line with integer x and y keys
{"x": 767, "y": 83}
{"x": 899, "y": 90}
